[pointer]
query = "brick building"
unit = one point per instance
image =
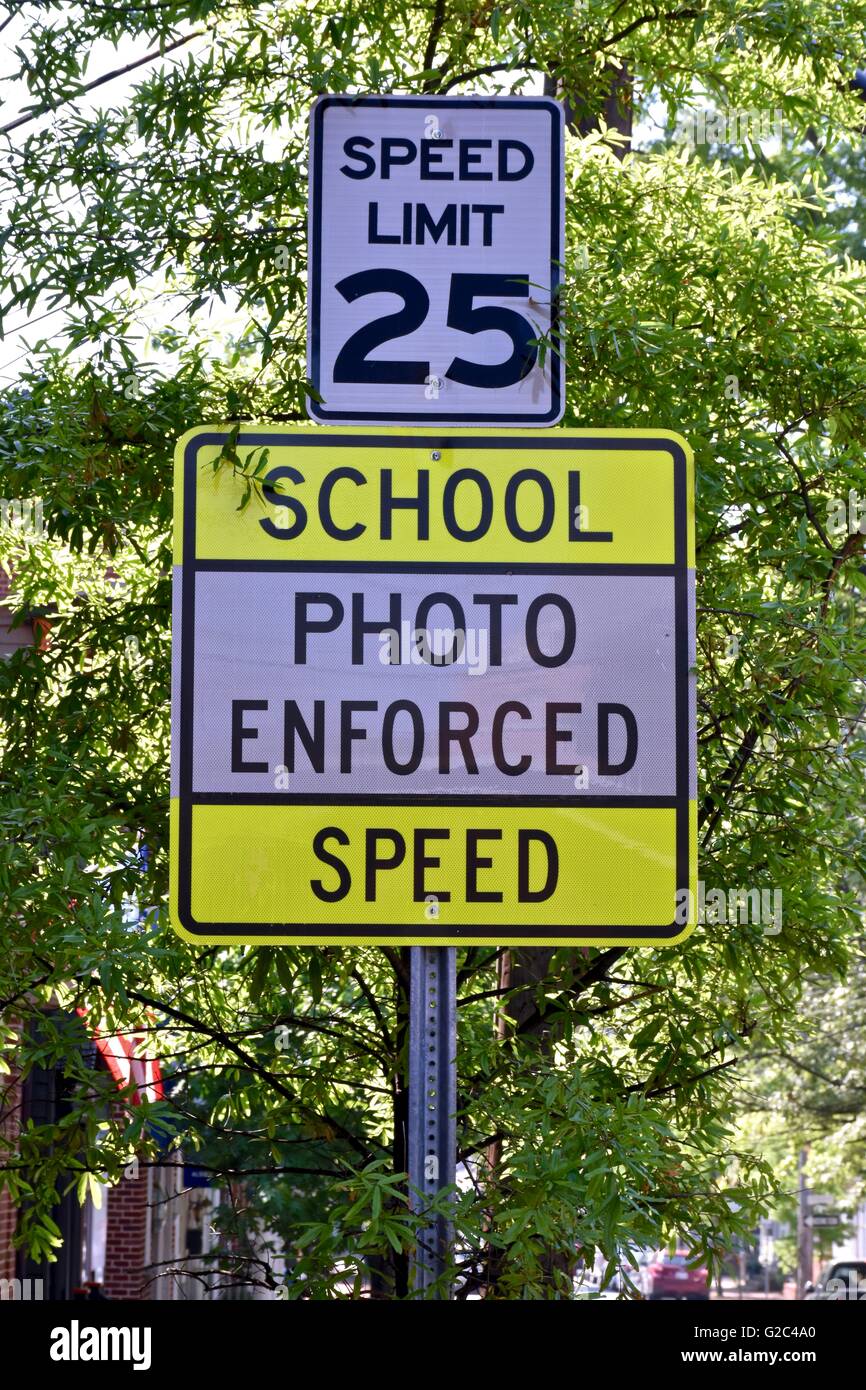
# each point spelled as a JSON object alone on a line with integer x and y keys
{"x": 146, "y": 1237}
{"x": 10, "y": 1094}
{"x": 147, "y": 1222}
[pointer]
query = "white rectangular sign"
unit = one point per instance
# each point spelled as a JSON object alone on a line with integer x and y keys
{"x": 436, "y": 243}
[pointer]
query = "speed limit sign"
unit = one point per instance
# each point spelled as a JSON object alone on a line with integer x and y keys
{"x": 436, "y": 246}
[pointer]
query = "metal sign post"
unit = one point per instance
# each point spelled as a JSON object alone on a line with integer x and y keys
{"x": 434, "y": 663}
{"x": 432, "y": 1104}
{"x": 371, "y": 714}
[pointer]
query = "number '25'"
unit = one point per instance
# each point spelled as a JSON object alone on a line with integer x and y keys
{"x": 353, "y": 364}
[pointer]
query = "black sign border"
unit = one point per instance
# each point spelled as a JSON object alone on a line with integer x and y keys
{"x": 483, "y": 418}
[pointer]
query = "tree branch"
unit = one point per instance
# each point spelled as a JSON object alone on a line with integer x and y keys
{"x": 487, "y": 71}
{"x": 99, "y": 82}
{"x": 433, "y": 37}
{"x": 218, "y": 1036}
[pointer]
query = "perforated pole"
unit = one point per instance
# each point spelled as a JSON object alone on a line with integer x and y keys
{"x": 432, "y": 1102}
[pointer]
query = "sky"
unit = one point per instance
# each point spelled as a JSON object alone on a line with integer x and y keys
{"x": 23, "y": 330}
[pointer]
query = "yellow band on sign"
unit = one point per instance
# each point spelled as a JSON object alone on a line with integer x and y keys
{"x": 371, "y": 505}
{"x": 433, "y": 688}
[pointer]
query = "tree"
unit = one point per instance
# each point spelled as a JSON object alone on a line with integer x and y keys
{"x": 698, "y": 298}
{"x": 811, "y": 1094}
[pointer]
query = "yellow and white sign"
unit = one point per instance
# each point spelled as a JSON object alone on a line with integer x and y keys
{"x": 434, "y": 688}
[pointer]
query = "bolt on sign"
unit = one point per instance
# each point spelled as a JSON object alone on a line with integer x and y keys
{"x": 434, "y": 688}
{"x": 436, "y": 232}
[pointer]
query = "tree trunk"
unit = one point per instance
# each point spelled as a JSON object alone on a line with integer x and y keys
{"x": 617, "y": 111}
